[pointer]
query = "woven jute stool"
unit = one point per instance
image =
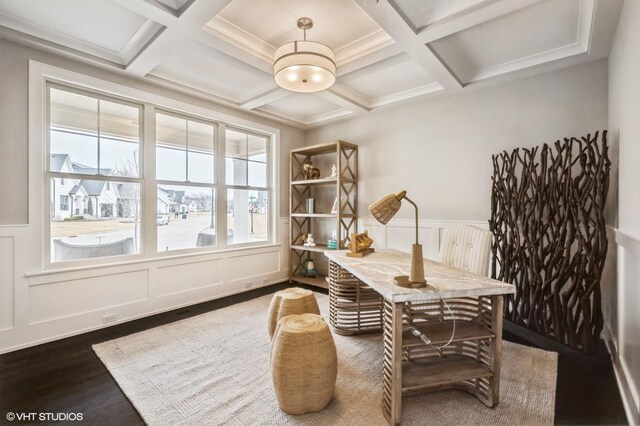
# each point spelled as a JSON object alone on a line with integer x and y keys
{"x": 304, "y": 364}
{"x": 292, "y": 301}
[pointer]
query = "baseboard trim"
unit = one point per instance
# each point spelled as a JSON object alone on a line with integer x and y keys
{"x": 632, "y": 412}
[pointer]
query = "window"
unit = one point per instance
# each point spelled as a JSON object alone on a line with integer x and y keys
{"x": 94, "y": 170}
{"x": 185, "y": 173}
{"x": 64, "y": 200}
{"x": 102, "y": 192}
{"x": 247, "y": 181}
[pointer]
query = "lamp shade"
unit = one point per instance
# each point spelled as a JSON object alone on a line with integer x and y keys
{"x": 304, "y": 66}
{"x": 386, "y": 207}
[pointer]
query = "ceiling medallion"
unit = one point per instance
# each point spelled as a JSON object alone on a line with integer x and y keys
{"x": 304, "y": 66}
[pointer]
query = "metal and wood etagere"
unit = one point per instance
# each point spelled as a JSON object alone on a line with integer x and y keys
{"x": 345, "y": 156}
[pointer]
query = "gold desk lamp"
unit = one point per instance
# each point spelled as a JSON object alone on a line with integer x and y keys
{"x": 383, "y": 210}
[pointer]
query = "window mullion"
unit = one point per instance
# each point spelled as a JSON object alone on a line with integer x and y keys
{"x": 149, "y": 200}
{"x": 98, "y": 129}
{"x": 221, "y": 192}
{"x": 186, "y": 152}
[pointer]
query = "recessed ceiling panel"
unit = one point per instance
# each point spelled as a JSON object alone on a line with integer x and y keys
{"x": 422, "y": 13}
{"x": 302, "y": 105}
{"x": 536, "y": 30}
{"x": 200, "y": 67}
{"x": 389, "y": 77}
{"x": 336, "y": 23}
{"x": 99, "y": 23}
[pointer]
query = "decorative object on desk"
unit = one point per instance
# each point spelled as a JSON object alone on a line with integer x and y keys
{"x": 334, "y": 208}
{"x": 383, "y": 210}
{"x": 310, "y": 242}
{"x": 309, "y": 170}
{"x": 309, "y": 268}
{"x": 360, "y": 245}
{"x": 334, "y": 171}
{"x": 553, "y": 198}
{"x": 311, "y": 206}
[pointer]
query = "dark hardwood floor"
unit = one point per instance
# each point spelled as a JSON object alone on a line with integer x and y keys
{"x": 66, "y": 377}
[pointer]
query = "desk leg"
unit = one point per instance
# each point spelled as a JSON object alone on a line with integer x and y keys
{"x": 496, "y": 352}
{"x": 392, "y": 363}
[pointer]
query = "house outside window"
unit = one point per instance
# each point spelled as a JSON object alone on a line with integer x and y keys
{"x": 94, "y": 157}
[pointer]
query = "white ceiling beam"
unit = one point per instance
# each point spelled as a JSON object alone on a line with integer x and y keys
{"x": 190, "y": 22}
{"x": 438, "y": 30}
{"x": 265, "y": 98}
{"x": 370, "y": 59}
{"x": 347, "y": 98}
{"x": 395, "y": 25}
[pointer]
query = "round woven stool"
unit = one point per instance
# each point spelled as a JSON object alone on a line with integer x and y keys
{"x": 304, "y": 364}
{"x": 292, "y": 301}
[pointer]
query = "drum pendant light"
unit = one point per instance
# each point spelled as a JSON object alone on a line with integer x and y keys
{"x": 304, "y": 66}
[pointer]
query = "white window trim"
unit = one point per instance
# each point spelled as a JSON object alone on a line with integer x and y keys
{"x": 40, "y": 74}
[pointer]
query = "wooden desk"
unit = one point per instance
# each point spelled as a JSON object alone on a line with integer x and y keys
{"x": 363, "y": 299}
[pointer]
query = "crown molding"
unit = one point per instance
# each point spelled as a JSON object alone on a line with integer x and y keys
{"x": 406, "y": 95}
{"x": 363, "y": 46}
{"x": 239, "y": 37}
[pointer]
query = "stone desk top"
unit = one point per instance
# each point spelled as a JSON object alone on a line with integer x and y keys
{"x": 378, "y": 269}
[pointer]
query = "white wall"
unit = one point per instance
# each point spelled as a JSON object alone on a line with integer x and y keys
{"x": 624, "y": 123}
{"x": 37, "y": 306}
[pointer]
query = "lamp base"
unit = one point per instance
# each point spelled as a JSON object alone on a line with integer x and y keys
{"x": 403, "y": 281}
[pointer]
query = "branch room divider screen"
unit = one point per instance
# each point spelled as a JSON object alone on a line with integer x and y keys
{"x": 547, "y": 218}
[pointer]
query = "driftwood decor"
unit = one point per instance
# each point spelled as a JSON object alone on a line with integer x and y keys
{"x": 547, "y": 218}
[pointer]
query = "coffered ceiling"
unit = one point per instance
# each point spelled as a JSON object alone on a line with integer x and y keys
{"x": 387, "y": 51}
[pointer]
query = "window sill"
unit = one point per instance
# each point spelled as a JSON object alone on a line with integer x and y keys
{"x": 157, "y": 258}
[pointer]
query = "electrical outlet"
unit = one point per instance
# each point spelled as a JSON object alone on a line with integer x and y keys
{"x": 265, "y": 281}
{"x": 106, "y": 319}
{"x": 248, "y": 284}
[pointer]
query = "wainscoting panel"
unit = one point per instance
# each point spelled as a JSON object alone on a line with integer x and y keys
{"x": 188, "y": 276}
{"x": 61, "y": 299}
{"x": 243, "y": 266}
{"x": 627, "y": 362}
{"x": 6, "y": 282}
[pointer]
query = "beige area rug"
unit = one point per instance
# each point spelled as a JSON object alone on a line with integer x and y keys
{"x": 214, "y": 369}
